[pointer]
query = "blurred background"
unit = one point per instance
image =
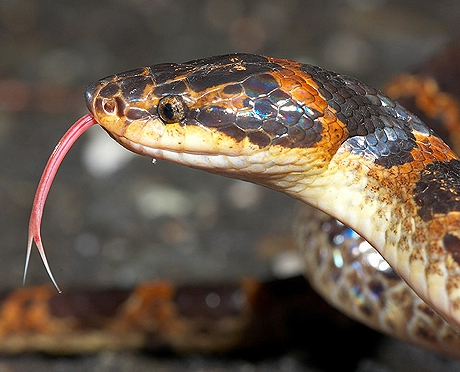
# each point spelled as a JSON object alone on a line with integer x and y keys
{"x": 113, "y": 218}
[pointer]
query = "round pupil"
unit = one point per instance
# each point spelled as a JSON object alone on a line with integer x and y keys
{"x": 171, "y": 109}
{"x": 168, "y": 111}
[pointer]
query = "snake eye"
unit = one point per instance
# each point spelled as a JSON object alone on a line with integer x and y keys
{"x": 172, "y": 109}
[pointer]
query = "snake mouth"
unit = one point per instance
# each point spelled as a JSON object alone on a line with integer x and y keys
{"x": 240, "y": 166}
{"x": 195, "y": 159}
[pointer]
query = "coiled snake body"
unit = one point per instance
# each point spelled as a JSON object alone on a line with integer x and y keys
{"x": 326, "y": 139}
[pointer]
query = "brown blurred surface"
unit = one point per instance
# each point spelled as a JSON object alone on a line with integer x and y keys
{"x": 142, "y": 221}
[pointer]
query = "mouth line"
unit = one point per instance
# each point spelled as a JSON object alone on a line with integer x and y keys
{"x": 158, "y": 152}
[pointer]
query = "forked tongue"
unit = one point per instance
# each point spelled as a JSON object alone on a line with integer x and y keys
{"x": 60, "y": 151}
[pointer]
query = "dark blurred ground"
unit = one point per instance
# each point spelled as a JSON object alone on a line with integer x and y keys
{"x": 122, "y": 220}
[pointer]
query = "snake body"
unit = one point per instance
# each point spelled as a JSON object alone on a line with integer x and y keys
{"x": 330, "y": 141}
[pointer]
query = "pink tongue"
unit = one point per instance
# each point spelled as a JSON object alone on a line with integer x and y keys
{"x": 60, "y": 151}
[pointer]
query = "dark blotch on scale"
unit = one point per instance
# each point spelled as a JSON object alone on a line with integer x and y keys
{"x": 215, "y": 116}
{"x": 121, "y": 106}
{"x": 232, "y": 89}
{"x": 174, "y": 87}
{"x": 133, "y": 88}
{"x": 226, "y": 69}
{"x": 135, "y": 113}
{"x": 438, "y": 190}
{"x": 259, "y": 85}
{"x": 109, "y": 90}
{"x": 131, "y": 73}
{"x": 167, "y": 72}
{"x": 221, "y": 119}
{"x": 378, "y": 127}
{"x": 452, "y": 245}
{"x": 248, "y": 122}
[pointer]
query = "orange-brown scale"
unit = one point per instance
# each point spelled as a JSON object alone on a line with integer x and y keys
{"x": 426, "y": 98}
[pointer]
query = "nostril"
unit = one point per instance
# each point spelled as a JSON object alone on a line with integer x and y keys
{"x": 109, "y": 106}
{"x": 89, "y": 93}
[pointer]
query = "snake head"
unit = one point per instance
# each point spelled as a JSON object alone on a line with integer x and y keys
{"x": 239, "y": 114}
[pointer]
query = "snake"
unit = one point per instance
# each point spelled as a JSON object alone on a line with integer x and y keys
{"x": 386, "y": 187}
